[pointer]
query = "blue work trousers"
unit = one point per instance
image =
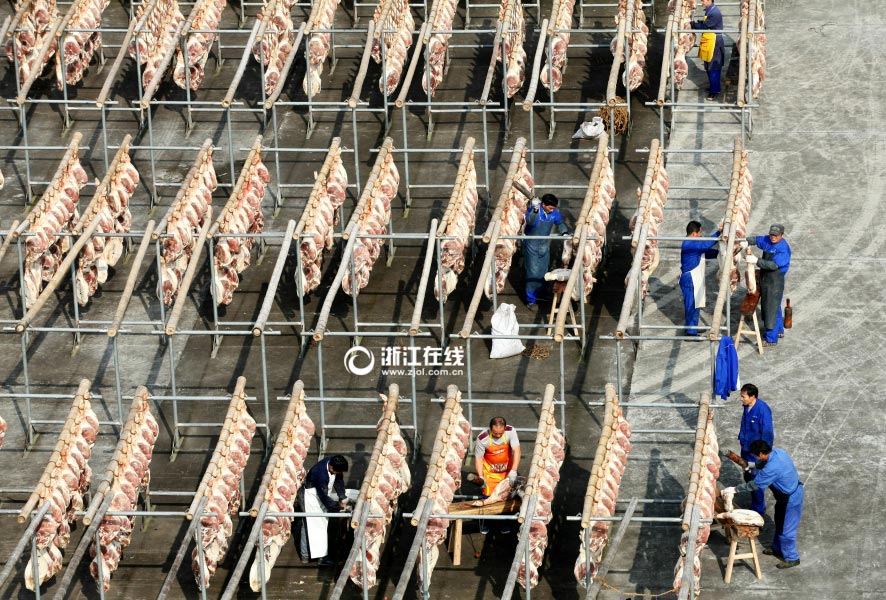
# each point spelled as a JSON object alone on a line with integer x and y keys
{"x": 689, "y": 303}
{"x": 714, "y": 81}
{"x": 772, "y": 334}
{"x": 788, "y": 510}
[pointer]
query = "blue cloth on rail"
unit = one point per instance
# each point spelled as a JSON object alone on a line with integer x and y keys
{"x": 726, "y": 368}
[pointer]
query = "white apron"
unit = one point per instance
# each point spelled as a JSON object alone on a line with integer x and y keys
{"x": 318, "y": 541}
{"x": 697, "y": 275}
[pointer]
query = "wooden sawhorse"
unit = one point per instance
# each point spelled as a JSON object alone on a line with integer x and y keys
{"x": 734, "y": 535}
{"x": 753, "y": 333}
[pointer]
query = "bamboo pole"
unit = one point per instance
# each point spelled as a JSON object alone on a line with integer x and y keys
{"x": 204, "y": 154}
{"x": 455, "y": 200}
{"x": 536, "y": 64}
{"x": 600, "y": 455}
{"x": 48, "y": 42}
{"x": 61, "y": 272}
{"x": 246, "y": 552}
{"x": 369, "y": 187}
{"x": 484, "y": 274}
{"x": 281, "y": 82}
{"x": 101, "y": 192}
{"x": 244, "y": 60}
{"x": 164, "y": 63}
{"x": 423, "y": 282}
{"x": 17, "y": 17}
{"x": 440, "y": 448}
{"x": 237, "y": 192}
{"x": 294, "y": 409}
{"x": 354, "y": 100}
{"x": 743, "y": 54}
{"x": 4, "y": 29}
{"x": 566, "y": 297}
{"x": 666, "y": 60}
{"x": 323, "y": 319}
{"x": 24, "y": 541}
{"x": 648, "y": 180}
{"x": 520, "y": 553}
{"x": 180, "y": 555}
{"x": 377, "y": 459}
{"x": 236, "y": 405}
{"x": 67, "y": 157}
{"x": 74, "y": 415}
{"x": 700, "y": 429}
{"x": 729, "y": 232}
{"x": 182, "y": 291}
{"x": 131, "y": 280}
{"x": 259, "y": 327}
{"x": 619, "y": 59}
{"x": 516, "y": 158}
{"x": 320, "y": 181}
{"x": 542, "y": 441}
{"x": 416, "y": 55}
{"x": 86, "y": 539}
{"x": 134, "y": 26}
{"x": 611, "y": 550}
{"x": 633, "y": 281}
{"x": 490, "y": 72}
{"x": 8, "y": 239}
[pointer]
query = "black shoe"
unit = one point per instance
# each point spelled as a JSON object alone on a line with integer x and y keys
{"x": 771, "y": 552}
{"x": 711, "y": 98}
{"x": 325, "y": 562}
{"x": 532, "y": 306}
{"x": 787, "y": 564}
{"x": 505, "y": 529}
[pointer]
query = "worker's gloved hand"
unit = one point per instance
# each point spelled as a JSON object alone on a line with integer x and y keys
{"x": 512, "y": 477}
{"x": 567, "y": 234}
{"x": 751, "y": 259}
{"x": 750, "y": 466}
{"x": 536, "y": 202}
{"x": 730, "y": 491}
{"x": 743, "y": 244}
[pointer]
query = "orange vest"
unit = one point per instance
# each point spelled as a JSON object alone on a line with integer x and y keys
{"x": 498, "y": 457}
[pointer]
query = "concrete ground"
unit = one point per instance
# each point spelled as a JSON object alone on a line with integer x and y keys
{"x": 792, "y": 148}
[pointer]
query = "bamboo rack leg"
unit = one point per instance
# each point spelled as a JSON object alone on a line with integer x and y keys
{"x": 731, "y": 563}
{"x": 456, "y": 542}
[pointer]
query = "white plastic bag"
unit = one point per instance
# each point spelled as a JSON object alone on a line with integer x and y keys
{"x": 504, "y": 322}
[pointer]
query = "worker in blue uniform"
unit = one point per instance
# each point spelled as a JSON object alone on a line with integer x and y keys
{"x": 541, "y": 217}
{"x": 774, "y": 266}
{"x": 776, "y": 470}
{"x": 713, "y": 21}
{"x": 756, "y": 424}
{"x": 692, "y": 268}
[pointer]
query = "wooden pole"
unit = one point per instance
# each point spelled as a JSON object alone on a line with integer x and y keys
{"x": 455, "y": 200}
{"x": 651, "y": 171}
{"x": 67, "y": 157}
{"x": 591, "y": 193}
{"x": 542, "y": 441}
{"x": 440, "y": 449}
{"x": 566, "y": 298}
{"x": 484, "y": 275}
{"x": 743, "y": 36}
{"x": 24, "y": 541}
{"x": 101, "y": 192}
{"x": 619, "y": 59}
{"x": 377, "y": 459}
{"x": 48, "y": 42}
{"x": 281, "y": 82}
{"x": 633, "y": 281}
{"x": 416, "y": 55}
{"x": 319, "y": 185}
{"x": 8, "y": 239}
{"x": 182, "y": 292}
{"x": 354, "y": 100}
{"x": 700, "y": 428}
{"x": 536, "y": 64}
{"x": 666, "y": 60}
{"x": 600, "y": 456}
{"x": 164, "y": 63}
{"x": 259, "y": 327}
{"x": 234, "y": 198}
{"x": 323, "y": 319}
{"x": 204, "y": 154}
{"x": 423, "y": 282}
{"x": 490, "y": 72}
{"x": 371, "y": 182}
{"x": 131, "y": 280}
{"x": 133, "y": 27}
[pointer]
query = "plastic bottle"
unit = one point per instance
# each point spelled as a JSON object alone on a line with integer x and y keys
{"x": 788, "y": 315}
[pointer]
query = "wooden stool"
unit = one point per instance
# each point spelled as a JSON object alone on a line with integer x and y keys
{"x": 558, "y": 287}
{"x": 734, "y": 535}
{"x": 751, "y": 333}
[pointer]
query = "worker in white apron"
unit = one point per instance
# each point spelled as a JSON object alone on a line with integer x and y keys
{"x": 692, "y": 255}
{"x": 324, "y": 491}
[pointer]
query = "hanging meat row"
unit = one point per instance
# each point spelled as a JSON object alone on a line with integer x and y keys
{"x": 684, "y": 41}
{"x": 756, "y": 44}
{"x": 460, "y": 228}
{"x": 550, "y": 461}
{"x": 442, "y": 15}
{"x": 452, "y": 454}
{"x": 393, "y": 28}
{"x": 652, "y": 212}
{"x": 512, "y": 217}
{"x": 157, "y": 36}
{"x": 598, "y": 219}
{"x": 112, "y": 208}
{"x": 637, "y": 32}
{"x": 322, "y": 216}
{"x": 373, "y": 221}
{"x": 242, "y": 215}
{"x": 31, "y": 35}
{"x": 81, "y": 40}
{"x": 65, "y": 487}
{"x": 513, "y": 33}
{"x": 561, "y": 19}
{"x": 207, "y": 16}
{"x": 288, "y": 475}
{"x": 223, "y": 494}
{"x": 132, "y": 474}
{"x": 392, "y": 478}
{"x": 183, "y": 227}
{"x": 322, "y": 19}
{"x": 609, "y": 467}
{"x": 705, "y": 498}
{"x": 54, "y": 214}
{"x": 2, "y": 431}
{"x": 741, "y": 212}
{"x": 274, "y": 47}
